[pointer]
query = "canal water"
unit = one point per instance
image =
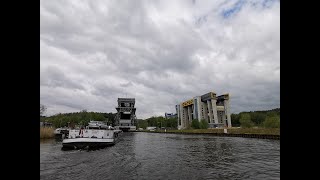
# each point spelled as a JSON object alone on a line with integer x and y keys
{"x": 141, "y": 155}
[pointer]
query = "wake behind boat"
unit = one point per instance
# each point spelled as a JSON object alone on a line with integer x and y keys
{"x": 97, "y": 134}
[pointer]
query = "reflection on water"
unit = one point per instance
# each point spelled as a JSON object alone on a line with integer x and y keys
{"x": 165, "y": 156}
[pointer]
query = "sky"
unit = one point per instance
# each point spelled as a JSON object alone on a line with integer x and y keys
{"x": 160, "y": 52}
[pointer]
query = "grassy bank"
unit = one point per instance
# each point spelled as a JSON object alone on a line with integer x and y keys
{"x": 263, "y": 131}
{"x": 46, "y": 133}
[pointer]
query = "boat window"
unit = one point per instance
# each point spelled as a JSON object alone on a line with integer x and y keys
{"x": 107, "y": 134}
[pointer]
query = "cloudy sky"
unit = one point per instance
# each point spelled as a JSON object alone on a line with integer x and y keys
{"x": 160, "y": 52}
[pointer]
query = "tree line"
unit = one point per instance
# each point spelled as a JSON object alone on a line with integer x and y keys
{"x": 158, "y": 121}
{"x": 81, "y": 118}
{"x": 268, "y": 119}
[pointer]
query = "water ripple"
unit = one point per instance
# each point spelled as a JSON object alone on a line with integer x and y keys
{"x": 165, "y": 156}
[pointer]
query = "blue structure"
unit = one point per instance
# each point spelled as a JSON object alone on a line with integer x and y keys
{"x": 170, "y": 115}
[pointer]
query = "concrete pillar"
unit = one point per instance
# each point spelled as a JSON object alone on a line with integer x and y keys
{"x": 184, "y": 117}
{"x": 189, "y": 115}
{"x": 228, "y": 112}
{"x": 181, "y": 116}
{"x": 194, "y": 108}
{"x": 214, "y": 109}
{"x": 178, "y": 114}
{"x": 205, "y": 111}
{"x": 199, "y": 104}
{"x": 224, "y": 118}
{"x": 210, "y": 111}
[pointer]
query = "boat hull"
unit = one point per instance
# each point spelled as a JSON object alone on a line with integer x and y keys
{"x": 90, "y": 138}
{"x": 81, "y": 143}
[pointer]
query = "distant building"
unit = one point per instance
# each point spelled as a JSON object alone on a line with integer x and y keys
{"x": 126, "y": 118}
{"x": 170, "y": 115}
{"x": 214, "y": 109}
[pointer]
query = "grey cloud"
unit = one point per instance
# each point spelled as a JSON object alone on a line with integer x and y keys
{"x": 160, "y": 52}
{"x": 54, "y": 77}
{"x": 106, "y": 89}
{"x": 126, "y": 84}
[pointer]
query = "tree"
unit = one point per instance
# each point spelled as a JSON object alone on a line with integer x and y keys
{"x": 43, "y": 109}
{"x": 173, "y": 122}
{"x": 195, "y": 124}
{"x": 110, "y": 117}
{"x": 203, "y": 124}
{"x": 235, "y": 119}
{"x": 142, "y": 124}
{"x": 272, "y": 113}
{"x": 245, "y": 120}
{"x": 257, "y": 117}
{"x": 272, "y": 122}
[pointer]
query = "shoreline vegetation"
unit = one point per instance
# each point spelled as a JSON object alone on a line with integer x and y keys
{"x": 46, "y": 132}
{"x": 233, "y": 130}
{"x": 264, "y": 133}
{"x": 260, "y": 124}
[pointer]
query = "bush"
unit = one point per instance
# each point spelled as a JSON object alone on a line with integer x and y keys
{"x": 272, "y": 122}
{"x": 195, "y": 124}
{"x": 204, "y": 124}
{"x": 235, "y": 120}
{"x": 245, "y": 121}
{"x": 188, "y": 125}
{"x": 257, "y": 118}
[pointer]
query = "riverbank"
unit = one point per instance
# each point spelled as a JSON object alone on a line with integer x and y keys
{"x": 264, "y": 133}
{"x": 46, "y": 133}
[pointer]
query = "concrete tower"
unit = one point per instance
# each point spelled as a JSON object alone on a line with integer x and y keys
{"x": 126, "y": 117}
{"x": 209, "y": 107}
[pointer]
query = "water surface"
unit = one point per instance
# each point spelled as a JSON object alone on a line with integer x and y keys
{"x": 165, "y": 156}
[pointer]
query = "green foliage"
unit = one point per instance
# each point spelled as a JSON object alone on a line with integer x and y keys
{"x": 42, "y": 118}
{"x": 82, "y": 117}
{"x": 204, "y": 124}
{"x": 235, "y": 120}
{"x": 155, "y": 121}
{"x": 142, "y": 124}
{"x": 257, "y": 117}
{"x": 159, "y": 121}
{"x": 245, "y": 120}
{"x": 172, "y": 123}
{"x": 195, "y": 124}
{"x": 272, "y": 122}
{"x": 272, "y": 113}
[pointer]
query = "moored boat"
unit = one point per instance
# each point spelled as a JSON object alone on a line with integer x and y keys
{"x": 95, "y": 135}
{"x": 61, "y": 133}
